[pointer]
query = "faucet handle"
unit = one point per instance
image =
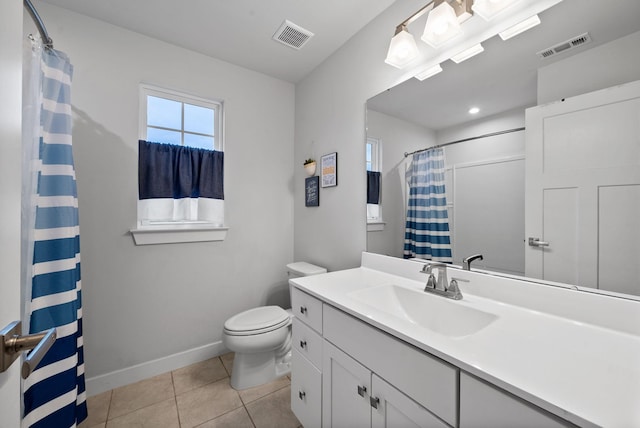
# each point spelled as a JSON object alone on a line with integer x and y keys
{"x": 426, "y": 268}
{"x": 454, "y": 289}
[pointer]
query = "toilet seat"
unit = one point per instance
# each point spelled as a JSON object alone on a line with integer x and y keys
{"x": 257, "y": 321}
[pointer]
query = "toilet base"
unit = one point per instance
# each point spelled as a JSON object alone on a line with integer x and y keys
{"x": 251, "y": 370}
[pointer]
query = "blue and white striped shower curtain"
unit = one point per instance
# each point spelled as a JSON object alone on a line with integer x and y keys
{"x": 54, "y": 394}
{"x": 427, "y": 228}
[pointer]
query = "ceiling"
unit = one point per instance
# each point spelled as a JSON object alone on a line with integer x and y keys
{"x": 240, "y": 31}
{"x": 504, "y": 76}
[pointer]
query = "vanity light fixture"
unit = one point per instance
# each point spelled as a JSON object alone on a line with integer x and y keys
{"x": 467, "y": 53}
{"x": 521, "y": 27}
{"x": 428, "y": 72}
{"x": 488, "y": 9}
{"x": 403, "y": 49}
{"x": 442, "y": 25}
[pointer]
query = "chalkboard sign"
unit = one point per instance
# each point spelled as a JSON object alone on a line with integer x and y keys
{"x": 311, "y": 191}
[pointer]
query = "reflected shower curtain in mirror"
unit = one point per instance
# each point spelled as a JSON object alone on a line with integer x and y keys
{"x": 54, "y": 394}
{"x": 427, "y": 227}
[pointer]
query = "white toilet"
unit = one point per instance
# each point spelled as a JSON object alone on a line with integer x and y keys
{"x": 261, "y": 338}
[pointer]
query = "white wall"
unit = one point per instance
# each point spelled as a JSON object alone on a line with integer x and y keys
{"x": 396, "y": 137}
{"x": 485, "y": 191}
{"x": 604, "y": 66}
{"x": 154, "y": 302}
{"x": 330, "y": 117}
{"x": 10, "y": 162}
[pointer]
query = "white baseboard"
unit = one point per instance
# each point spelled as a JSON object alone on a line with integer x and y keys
{"x": 129, "y": 375}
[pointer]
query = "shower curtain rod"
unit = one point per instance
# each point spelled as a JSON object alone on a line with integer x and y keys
{"x": 492, "y": 134}
{"x": 48, "y": 43}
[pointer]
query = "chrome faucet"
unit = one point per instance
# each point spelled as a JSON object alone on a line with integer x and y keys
{"x": 440, "y": 287}
{"x": 466, "y": 263}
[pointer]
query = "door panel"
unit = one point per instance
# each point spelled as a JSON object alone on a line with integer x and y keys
{"x": 560, "y": 222}
{"x": 619, "y": 236}
{"x": 396, "y": 410}
{"x": 346, "y": 385}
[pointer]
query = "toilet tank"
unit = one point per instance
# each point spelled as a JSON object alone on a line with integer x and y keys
{"x": 299, "y": 269}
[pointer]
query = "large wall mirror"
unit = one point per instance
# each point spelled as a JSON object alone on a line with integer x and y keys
{"x": 487, "y": 153}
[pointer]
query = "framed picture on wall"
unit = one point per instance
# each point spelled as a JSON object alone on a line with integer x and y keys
{"x": 329, "y": 169}
{"x": 311, "y": 191}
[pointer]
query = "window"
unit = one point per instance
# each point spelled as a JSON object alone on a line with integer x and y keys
{"x": 173, "y": 118}
{"x": 374, "y": 165}
{"x": 167, "y": 213}
{"x": 372, "y": 154}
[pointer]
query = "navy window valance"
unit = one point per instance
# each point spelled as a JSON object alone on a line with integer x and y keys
{"x": 373, "y": 187}
{"x": 171, "y": 171}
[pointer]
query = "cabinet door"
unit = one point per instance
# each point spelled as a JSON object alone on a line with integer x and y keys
{"x": 345, "y": 391}
{"x": 394, "y": 409}
{"x": 483, "y": 405}
{"x": 306, "y": 391}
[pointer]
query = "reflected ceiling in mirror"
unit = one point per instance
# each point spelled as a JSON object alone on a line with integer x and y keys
{"x": 504, "y": 76}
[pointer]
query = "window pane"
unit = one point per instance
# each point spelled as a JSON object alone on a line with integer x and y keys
{"x": 368, "y": 152}
{"x": 198, "y": 119}
{"x": 155, "y": 135}
{"x": 198, "y": 141}
{"x": 164, "y": 113}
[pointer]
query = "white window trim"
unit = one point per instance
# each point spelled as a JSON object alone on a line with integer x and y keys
{"x": 179, "y": 231}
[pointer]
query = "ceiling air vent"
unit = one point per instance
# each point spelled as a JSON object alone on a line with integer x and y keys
{"x": 292, "y": 35}
{"x": 565, "y": 46}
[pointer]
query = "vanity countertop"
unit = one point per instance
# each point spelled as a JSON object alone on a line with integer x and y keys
{"x": 571, "y": 360}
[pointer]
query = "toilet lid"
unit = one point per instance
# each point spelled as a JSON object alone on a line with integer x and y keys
{"x": 257, "y": 320}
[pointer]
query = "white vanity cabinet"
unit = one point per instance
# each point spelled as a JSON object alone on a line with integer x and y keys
{"x": 306, "y": 359}
{"x": 483, "y": 405}
{"x": 348, "y": 373}
{"x": 353, "y": 396}
{"x": 425, "y": 379}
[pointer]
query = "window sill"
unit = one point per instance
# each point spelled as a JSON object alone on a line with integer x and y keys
{"x": 177, "y": 233}
{"x": 375, "y": 225}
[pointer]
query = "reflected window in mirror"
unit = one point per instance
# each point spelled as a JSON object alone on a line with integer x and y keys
{"x": 374, "y": 182}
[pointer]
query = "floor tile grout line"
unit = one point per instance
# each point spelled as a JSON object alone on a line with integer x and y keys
{"x": 175, "y": 399}
{"x": 264, "y": 396}
{"x": 250, "y": 417}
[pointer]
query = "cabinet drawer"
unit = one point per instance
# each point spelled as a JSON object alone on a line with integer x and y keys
{"x": 483, "y": 405}
{"x": 307, "y": 342}
{"x": 306, "y": 391}
{"x": 429, "y": 381}
{"x": 307, "y": 309}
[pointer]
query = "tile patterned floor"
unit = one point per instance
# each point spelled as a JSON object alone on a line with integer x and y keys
{"x": 195, "y": 396}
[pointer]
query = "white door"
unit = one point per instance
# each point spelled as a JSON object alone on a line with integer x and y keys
{"x": 10, "y": 159}
{"x": 392, "y": 409}
{"x": 346, "y": 385}
{"x": 583, "y": 190}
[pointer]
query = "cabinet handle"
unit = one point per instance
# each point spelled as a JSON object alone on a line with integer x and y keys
{"x": 303, "y": 344}
{"x": 362, "y": 390}
{"x": 374, "y": 402}
{"x": 303, "y": 309}
{"x": 302, "y": 394}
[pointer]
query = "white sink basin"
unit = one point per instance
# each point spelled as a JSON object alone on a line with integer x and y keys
{"x": 436, "y": 313}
